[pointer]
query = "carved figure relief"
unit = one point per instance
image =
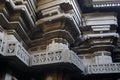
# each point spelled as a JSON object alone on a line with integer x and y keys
{"x": 42, "y": 57}
{"x": 2, "y": 46}
{"x": 11, "y": 48}
{"x": 36, "y": 58}
{"x": 0, "y": 43}
{"x": 58, "y": 55}
{"x": 50, "y": 56}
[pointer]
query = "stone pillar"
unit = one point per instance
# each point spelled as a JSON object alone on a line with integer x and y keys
{"x": 8, "y": 76}
{"x": 56, "y": 75}
{"x": 102, "y": 57}
{"x": 5, "y": 76}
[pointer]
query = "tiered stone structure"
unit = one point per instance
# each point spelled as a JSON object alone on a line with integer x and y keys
{"x": 59, "y": 40}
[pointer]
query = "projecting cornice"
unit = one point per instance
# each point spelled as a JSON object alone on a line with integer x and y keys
{"x": 105, "y": 3}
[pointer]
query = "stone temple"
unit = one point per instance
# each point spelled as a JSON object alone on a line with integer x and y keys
{"x": 59, "y": 39}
